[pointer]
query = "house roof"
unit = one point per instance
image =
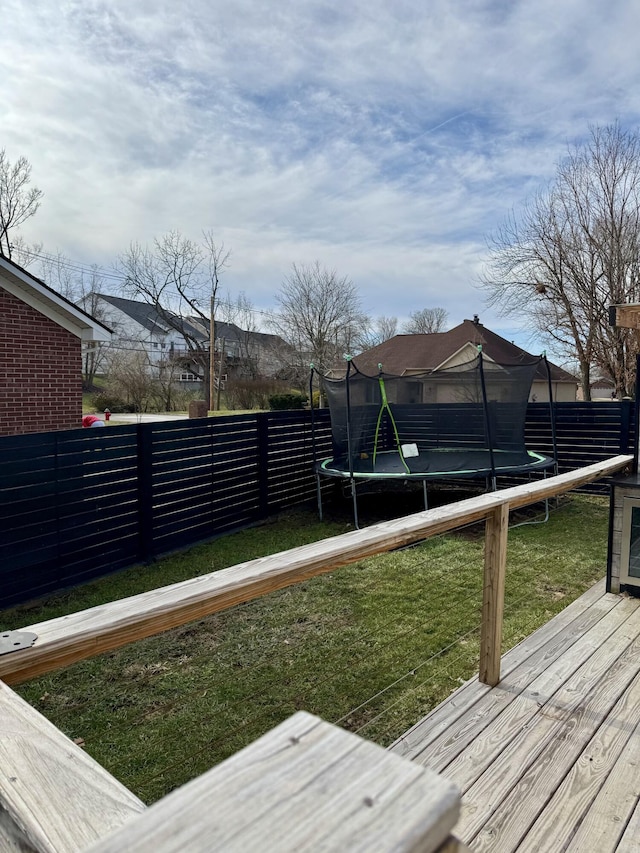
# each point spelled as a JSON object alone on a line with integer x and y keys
{"x": 404, "y": 354}
{"x": 151, "y": 319}
{"x": 231, "y": 332}
{"x": 35, "y": 293}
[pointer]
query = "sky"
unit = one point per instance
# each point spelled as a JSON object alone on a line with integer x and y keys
{"x": 386, "y": 140}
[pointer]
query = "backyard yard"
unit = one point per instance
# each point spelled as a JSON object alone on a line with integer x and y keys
{"x": 372, "y": 646}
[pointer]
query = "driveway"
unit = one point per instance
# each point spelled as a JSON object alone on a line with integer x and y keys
{"x": 145, "y": 418}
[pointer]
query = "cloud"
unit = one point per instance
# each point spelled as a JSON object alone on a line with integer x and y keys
{"x": 385, "y": 140}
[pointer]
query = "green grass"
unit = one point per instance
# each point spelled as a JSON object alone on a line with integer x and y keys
{"x": 373, "y": 646}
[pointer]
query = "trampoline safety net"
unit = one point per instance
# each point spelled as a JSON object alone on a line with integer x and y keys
{"x": 465, "y": 420}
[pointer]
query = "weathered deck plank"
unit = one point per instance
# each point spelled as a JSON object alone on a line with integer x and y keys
{"x": 54, "y": 798}
{"x": 586, "y": 776}
{"x": 519, "y": 710}
{"x": 514, "y": 789}
{"x": 545, "y": 644}
{"x": 610, "y": 811}
{"x": 12, "y": 839}
{"x": 305, "y": 785}
{"x": 548, "y": 760}
{"x": 630, "y": 841}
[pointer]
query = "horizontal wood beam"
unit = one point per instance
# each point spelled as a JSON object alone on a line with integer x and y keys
{"x": 68, "y": 639}
{"x": 54, "y": 798}
{"x": 625, "y": 316}
{"x": 305, "y": 785}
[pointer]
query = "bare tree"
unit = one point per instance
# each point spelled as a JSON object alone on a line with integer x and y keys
{"x": 181, "y": 279}
{"x": 573, "y": 251}
{"x": 426, "y": 321}
{"x": 78, "y": 285}
{"x": 375, "y": 332}
{"x": 319, "y": 317}
{"x": 18, "y": 202}
{"x": 90, "y": 286}
{"x": 240, "y": 312}
{"x": 130, "y": 377}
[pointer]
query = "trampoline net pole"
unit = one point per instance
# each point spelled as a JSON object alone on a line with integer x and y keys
{"x": 313, "y": 420}
{"x": 552, "y": 416}
{"x": 314, "y": 454}
{"x": 352, "y": 481}
{"x": 487, "y": 420}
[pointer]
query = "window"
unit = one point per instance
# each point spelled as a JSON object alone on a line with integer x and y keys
{"x": 630, "y": 550}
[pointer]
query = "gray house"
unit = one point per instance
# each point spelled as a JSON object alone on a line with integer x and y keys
{"x": 184, "y": 341}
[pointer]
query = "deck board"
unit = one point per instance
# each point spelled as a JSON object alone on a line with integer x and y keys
{"x": 548, "y": 759}
{"x": 611, "y": 810}
{"x": 463, "y": 699}
{"x": 629, "y": 842}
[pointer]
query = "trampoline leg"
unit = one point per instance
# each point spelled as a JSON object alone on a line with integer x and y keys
{"x": 319, "y": 496}
{"x": 426, "y": 498}
{"x": 546, "y": 500}
{"x": 494, "y": 484}
{"x": 354, "y": 498}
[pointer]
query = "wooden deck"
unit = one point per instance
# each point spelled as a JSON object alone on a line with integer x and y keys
{"x": 548, "y": 760}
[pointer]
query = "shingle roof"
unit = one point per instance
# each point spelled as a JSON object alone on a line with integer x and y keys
{"x": 231, "y": 332}
{"x": 150, "y": 318}
{"x": 414, "y": 353}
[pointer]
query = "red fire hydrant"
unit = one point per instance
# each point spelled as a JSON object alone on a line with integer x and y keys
{"x": 107, "y": 414}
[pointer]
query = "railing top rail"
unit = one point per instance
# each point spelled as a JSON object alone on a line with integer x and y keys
{"x": 67, "y": 639}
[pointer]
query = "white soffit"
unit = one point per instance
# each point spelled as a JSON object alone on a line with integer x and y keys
{"x": 51, "y": 305}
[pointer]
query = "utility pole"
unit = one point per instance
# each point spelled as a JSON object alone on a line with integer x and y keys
{"x": 212, "y": 363}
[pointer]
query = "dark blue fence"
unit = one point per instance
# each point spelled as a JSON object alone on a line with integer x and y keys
{"x": 79, "y": 504}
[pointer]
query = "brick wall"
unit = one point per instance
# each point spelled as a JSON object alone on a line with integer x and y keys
{"x": 40, "y": 371}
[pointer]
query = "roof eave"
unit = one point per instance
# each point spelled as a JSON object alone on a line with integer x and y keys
{"x": 50, "y": 304}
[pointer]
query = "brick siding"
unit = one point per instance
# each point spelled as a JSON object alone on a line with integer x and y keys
{"x": 40, "y": 371}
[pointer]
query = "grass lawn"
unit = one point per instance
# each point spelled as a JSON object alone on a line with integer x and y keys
{"x": 372, "y": 646}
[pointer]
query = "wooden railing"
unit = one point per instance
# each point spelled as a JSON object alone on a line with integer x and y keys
{"x": 71, "y": 638}
{"x": 304, "y": 785}
{"x": 55, "y": 798}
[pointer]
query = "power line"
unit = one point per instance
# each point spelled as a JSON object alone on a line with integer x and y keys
{"x": 72, "y": 265}
{"x": 116, "y": 276}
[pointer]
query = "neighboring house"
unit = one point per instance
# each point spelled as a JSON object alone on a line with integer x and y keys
{"x": 138, "y": 326}
{"x": 41, "y": 336}
{"x": 248, "y": 355}
{"x": 601, "y": 389}
{"x": 407, "y": 354}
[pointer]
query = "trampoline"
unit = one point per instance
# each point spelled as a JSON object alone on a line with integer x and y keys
{"x": 466, "y": 421}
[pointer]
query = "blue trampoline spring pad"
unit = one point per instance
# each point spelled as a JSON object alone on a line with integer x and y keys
{"x": 438, "y": 463}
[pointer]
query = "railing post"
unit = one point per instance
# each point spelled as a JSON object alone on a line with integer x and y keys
{"x": 495, "y": 561}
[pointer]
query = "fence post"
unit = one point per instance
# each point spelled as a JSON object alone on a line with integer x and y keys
{"x": 263, "y": 422}
{"x": 495, "y": 561}
{"x": 144, "y": 436}
{"x": 626, "y": 410}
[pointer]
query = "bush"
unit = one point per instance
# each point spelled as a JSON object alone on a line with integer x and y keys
{"x": 249, "y": 393}
{"x": 103, "y": 401}
{"x": 292, "y": 400}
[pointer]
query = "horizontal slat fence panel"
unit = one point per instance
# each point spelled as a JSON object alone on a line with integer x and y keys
{"x": 79, "y": 504}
